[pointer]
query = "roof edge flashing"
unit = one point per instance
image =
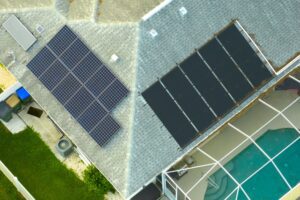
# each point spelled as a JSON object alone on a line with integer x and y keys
{"x": 156, "y": 9}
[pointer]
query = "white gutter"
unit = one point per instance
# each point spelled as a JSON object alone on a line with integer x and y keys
{"x": 156, "y": 9}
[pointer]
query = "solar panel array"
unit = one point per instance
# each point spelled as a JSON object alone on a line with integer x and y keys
{"x": 207, "y": 85}
{"x": 81, "y": 83}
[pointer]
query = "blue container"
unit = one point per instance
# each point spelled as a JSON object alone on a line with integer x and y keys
{"x": 23, "y": 94}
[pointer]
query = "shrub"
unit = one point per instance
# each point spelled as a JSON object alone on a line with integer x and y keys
{"x": 96, "y": 181}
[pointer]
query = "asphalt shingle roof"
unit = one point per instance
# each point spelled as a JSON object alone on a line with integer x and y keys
{"x": 144, "y": 147}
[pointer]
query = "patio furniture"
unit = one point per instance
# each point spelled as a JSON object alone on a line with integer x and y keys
{"x": 5, "y": 112}
{"x": 182, "y": 170}
{"x": 14, "y": 103}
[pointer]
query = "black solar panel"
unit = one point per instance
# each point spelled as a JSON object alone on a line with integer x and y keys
{"x": 208, "y": 83}
{"x": 100, "y": 81}
{"x": 188, "y": 99}
{"x": 65, "y": 89}
{"x": 74, "y": 54}
{"x": 41, "y": 62}
{"x": 87, "y": 67}
{"x": 105, "y": 130}
{"x": 62, "y": 40}
{"x": 54, "y": 74}
{"x": 239, "y": 48}
{"x": 79, "y": 102}
{"x": 109, "y": 98}
{"x": 81, "y": 82}
{"x": 226, "y": 70}
{"x": 92, "y": 116}
{"x": 170, "y": 115}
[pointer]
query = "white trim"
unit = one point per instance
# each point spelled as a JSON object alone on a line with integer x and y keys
{"x": 297, "y": 58}
{"x": 225, "y": 170}
{"x": 250, "y": 176}
{"x": 295, "y": 79}
{"x": 156, "y": 9}
{"x": 233, "y": 191}
{"x": 189, "y": 168}
{"x": 269, "y": 158}
{"x": 269, "y": 64}
{"x": 202, "y": 177}
{"x": 248, "y": 138}
{"x": 223, "y": 123}
{"x": 14, "y": 180}
{"x": 280, "y": 113}
{"x": 177, "y": 186}
{"x": 237, "y": 194}
{"x": 9, "y": 91}
{"x": 287, "y": 107}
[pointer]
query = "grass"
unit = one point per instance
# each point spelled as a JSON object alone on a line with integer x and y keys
{"x": 8, "y": 190}
{"x": 36, "y": 167}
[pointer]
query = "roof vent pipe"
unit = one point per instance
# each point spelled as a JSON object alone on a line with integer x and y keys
{"x": 182, "y": 11}
{"x": 153, "y": 33}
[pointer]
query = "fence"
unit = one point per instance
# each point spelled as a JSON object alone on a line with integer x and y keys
{"x": 16, "y": 182}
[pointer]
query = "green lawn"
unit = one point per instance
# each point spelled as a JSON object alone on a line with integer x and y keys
{"x": 45, "y": 177}
{"x": 8, "y": 190}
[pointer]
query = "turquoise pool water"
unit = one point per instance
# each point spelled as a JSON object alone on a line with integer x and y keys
{"x": 267, "y": 182}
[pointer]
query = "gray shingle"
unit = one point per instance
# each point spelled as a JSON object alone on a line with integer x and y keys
{"x": 143, "y": 148}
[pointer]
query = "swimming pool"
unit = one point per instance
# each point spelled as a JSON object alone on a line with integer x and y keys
{"x": 260, "y": 178}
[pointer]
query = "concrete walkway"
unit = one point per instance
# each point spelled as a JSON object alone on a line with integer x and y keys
{"x": 15, "y": 125}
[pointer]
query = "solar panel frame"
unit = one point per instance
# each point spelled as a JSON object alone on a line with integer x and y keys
{"x": 73, "y": 55}
{"x": 62, "y": 40}
{"x": 77, "y": 77}
{"x": 41, "y": 62}
{"x": 100, "y": 81}
{"x": 226, "y": 70}
{"x": 87, "y": 67}
{"x": 52, "y": 76}
{"x": 188, "y": 99}
{"x": 79, "y": 102}
{"x": 202, "y": 77}
{"x": 212, "y": 71}
{"x": 92, "y": 116}
{"x": 105, "y": 130}
{"x": 66, "y": 88}
{"x": 113, "y": 95}
{"x": 244, "y": 55}
{"x": 176, "y": 123}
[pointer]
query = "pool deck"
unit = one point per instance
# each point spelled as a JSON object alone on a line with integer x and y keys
{"x": 254, "y": 123}
{"x": 293, "y": 194}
